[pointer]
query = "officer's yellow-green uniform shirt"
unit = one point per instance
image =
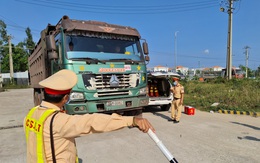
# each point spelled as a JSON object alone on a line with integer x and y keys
{"x": 178, "y": 90}
{"x": 65, "y": 129}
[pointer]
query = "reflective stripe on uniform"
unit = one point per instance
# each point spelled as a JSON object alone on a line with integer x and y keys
{"x": 36, "y": 126}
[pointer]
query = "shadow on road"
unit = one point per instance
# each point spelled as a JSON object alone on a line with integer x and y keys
{"x": 156, "y": 111}
{"x": 249, "y": 138}
{"x": 250, "y": 126}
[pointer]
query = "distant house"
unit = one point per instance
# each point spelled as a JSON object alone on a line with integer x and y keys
{"x": 217, "y": 68}
{"x": 160, "y": 68}
{"x": 207, "y": 69}
{"x": 214, "y": 68}
{"x": 183, "y": 70}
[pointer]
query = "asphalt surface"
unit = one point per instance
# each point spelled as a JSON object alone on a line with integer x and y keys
{"x": 200, "y": 138}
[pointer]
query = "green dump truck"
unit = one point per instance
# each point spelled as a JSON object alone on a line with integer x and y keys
{"x": 109, "y": 60}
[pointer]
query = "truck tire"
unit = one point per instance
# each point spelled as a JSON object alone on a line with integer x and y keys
{"x": 37, "y": 98}
{"x": 137, "y": 113}
{"x": 165, "y": 107}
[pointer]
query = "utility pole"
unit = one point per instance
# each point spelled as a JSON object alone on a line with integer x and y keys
{"x": 229, "y": 6}
{"x": 247, "y": 56}
{"x": 1, "y": 78}
{"x": 175, "y": 50}
{"x": 229, "y": 42}
{"x": 11, "y": 60}
{"x": 199, "y": 68}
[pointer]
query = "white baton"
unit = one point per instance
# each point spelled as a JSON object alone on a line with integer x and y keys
{"x": 164, "y": 150}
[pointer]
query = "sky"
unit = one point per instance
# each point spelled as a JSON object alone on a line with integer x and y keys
{"x": 194, "y": 32}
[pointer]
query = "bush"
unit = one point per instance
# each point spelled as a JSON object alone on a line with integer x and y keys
{"x": 14, "y": 86}
{"x": 235, "y": 94}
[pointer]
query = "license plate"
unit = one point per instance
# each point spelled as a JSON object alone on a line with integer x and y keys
{"x": 114, "y": 103}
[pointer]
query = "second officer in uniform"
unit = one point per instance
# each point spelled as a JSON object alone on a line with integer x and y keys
{"x": 177, "y": 103}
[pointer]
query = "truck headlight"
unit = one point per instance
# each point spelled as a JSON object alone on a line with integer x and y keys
{"x": 74, "y": 96}
{"x": 143, "y": 91}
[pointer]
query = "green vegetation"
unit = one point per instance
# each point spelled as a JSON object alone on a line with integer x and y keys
{"x": 14, "y": 86}
{"x": 235, "y": 94}
{"x": 20, "y": 52}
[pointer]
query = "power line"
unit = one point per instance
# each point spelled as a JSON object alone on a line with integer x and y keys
{"x": 141, "y": 7}
{"x": 123, "y": 9}
{"x": 10, "y": 21}
{"x": 16, "y": 25}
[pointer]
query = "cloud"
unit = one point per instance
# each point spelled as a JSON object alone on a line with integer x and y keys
{"x": 206, "y": 51}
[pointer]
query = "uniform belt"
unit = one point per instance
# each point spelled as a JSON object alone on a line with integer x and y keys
{"x": 176, "y": 98}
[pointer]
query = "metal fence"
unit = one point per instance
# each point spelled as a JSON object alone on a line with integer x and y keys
{"x": 19, "y": 78}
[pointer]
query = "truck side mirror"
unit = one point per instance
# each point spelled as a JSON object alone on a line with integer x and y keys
{"x": 51, "y": 47}
{"x": 145, "y": 48}
{"x": 147, "y": 58}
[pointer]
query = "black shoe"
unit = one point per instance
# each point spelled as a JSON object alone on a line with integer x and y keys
{"x": 176, "y": 121}
{"x": 170, "y": 120}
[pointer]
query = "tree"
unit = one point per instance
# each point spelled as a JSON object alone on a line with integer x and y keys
{"x": 197, "y": 72}
{"x": 20, "y": 52}
{"x": 257, "y": 71}
{"x": 3, "y": 46}
{"x": 29, "y": 44}
{"x": 20, "y": 58}
{"x": 3, "y": 41}
{"x": 5, "y": 59}
{"x": 3, "y": 33}
{"x": 250, "y": 73}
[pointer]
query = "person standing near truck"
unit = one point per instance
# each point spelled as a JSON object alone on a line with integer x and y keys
{"x": 177, "y": 103}
{"x": 50, "y": 133}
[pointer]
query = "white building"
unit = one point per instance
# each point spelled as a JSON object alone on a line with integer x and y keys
{"x": 183, "y": 70}
{"x": 160, "y": 68}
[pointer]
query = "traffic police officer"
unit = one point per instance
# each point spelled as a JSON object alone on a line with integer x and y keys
{"x": 50, "y": 133}
{"x": 177, "y": 103}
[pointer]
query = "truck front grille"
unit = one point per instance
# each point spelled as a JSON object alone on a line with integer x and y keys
{"x": 110, "y": 84}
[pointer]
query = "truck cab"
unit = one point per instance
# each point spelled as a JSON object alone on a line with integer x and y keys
{"x": 109, "y": 61}
{"x": 159, "y": 84}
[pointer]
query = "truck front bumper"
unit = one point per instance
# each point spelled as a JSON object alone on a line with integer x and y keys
{"x": 100, "y": 106}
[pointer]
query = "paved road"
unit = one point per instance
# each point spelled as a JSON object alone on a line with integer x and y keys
{"x": 203, "y": 138}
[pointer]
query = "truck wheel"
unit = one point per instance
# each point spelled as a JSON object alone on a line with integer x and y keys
{"x": 165, "y": 107}
{"x": 137, "y": 113}
{"x": 37, "y": 98}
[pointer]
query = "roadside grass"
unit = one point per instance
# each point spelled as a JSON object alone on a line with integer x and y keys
{"x": 235, "y": 94}
{"x": 14, "y": 86}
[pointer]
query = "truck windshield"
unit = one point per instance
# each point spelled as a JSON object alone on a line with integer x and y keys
{"x": 102, "y": 46}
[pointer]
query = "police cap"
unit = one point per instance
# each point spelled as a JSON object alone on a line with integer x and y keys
{"x": 175, "y": 78}
{"x": 60, "y": 83}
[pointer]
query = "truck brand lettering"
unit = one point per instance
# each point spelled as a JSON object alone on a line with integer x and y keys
{"x": 112, "y": 70}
